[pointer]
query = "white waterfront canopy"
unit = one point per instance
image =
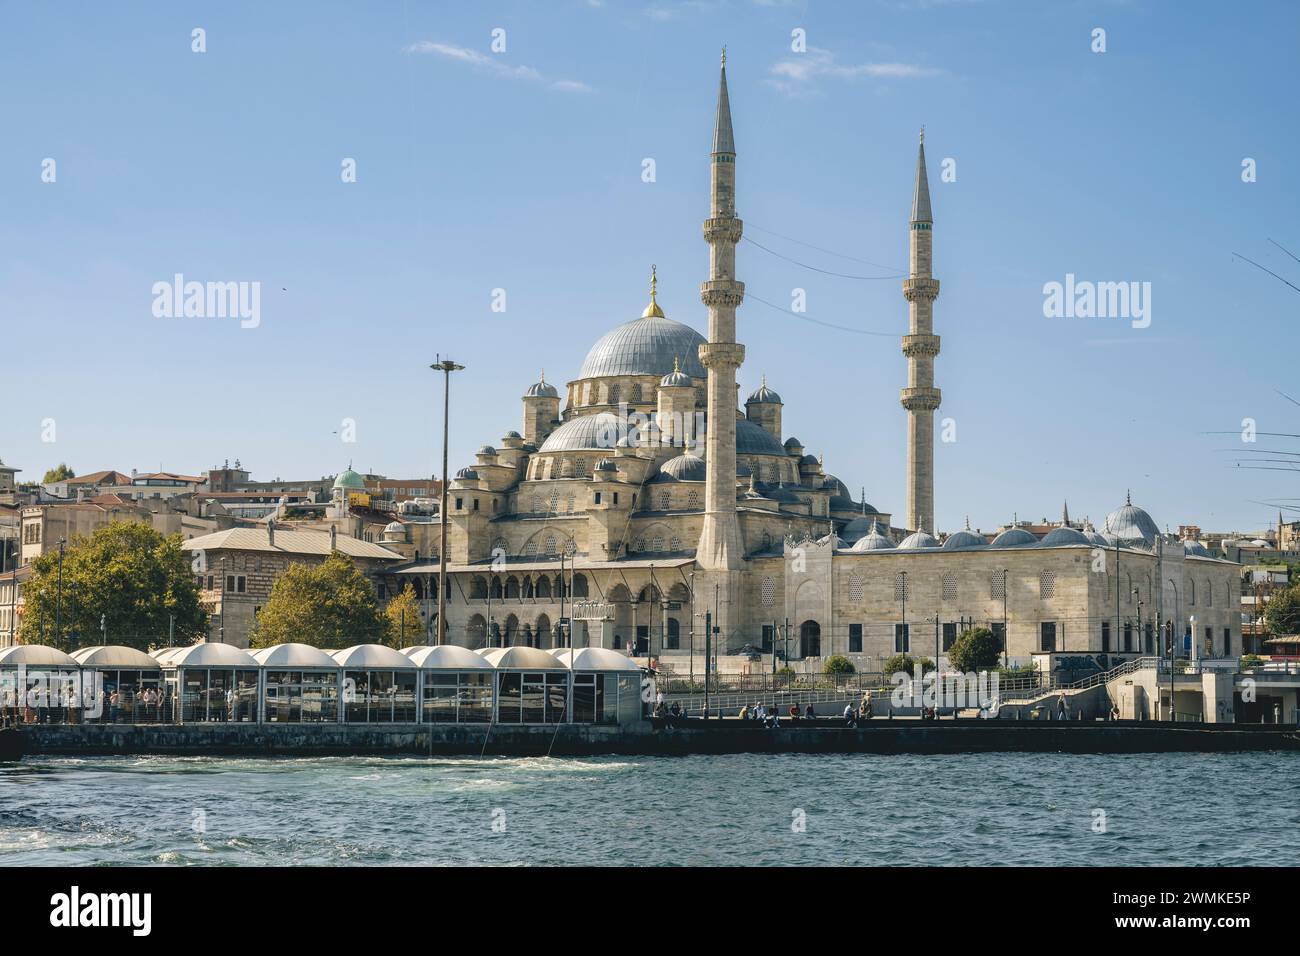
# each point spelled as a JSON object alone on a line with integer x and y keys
{"x": 294, "y": 657}
{"x": 115, "y": 657}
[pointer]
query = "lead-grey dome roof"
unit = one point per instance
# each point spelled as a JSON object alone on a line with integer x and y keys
{"x": 918, "y": 539}
{"x": 754, "y": 439}
{"x": 542, "y": 389}
{"x": 646, "y": 346}
{"x": 686, "y": 467}
{"x": 1195, "y": 549}
{"x": 1064, "y": 535}
{"x": 601, "y": 430}
{"x": 763, "y": 394}
{"x": 873, "y": 540}
{"x": 964, "y": 539}
{"x": 1131, "y": 524}
{"x": 1013, "y": 538}
{"x": 468, "y": 474}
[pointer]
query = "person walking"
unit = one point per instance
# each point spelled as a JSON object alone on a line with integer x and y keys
{"x": 1061, "y": 708}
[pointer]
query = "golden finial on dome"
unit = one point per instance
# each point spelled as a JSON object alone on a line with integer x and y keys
{"x": 923, "y": 135}
{"x": 653, "y": 310}
{"x": 677, "y": 363}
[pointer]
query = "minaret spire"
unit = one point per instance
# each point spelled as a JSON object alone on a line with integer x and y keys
{"x": 921, "y": 346}
{"x": 720, "y": 546}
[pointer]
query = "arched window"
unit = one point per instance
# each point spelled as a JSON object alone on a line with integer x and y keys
{"x": 497, "y": 590}
{"x": 664, "y": 500}
{"x": 640, "y": 544}
{"x": 580, "y": 468}
{"x": 550, "y": 547}
{"x": 543, "y": 587}
{"x": 1209, "y": 592}
{"x": 674, "y": 636}
{"x": 478, "y": 588}
{"x": 530, "y": 549}
{"x": 675, "y": 544}
{"x": 512, "y": 587}
{"x": 580, "y": 585}
{"x": 657, "y": 543}
{"x": 636, "y": 394}
{"x": 1191, "y": 592}
{"x": 692, "y": 499}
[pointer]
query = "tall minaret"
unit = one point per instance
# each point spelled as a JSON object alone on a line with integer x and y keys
{"x": 920, "y": 345}
{"x": 720, "y": 547}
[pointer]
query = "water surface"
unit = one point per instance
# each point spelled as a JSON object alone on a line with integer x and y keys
{"x": 746, "y": 809}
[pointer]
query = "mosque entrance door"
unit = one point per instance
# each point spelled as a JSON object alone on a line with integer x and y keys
{"x": 810, "y": 639}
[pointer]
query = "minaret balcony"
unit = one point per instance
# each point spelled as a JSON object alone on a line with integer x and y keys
{"x": 723, "y": 230}
{"x": 722, "y": 293}
{"x": 919, "y": 398}
{"x": 920, "y": 287}
{"x": 722, "y": 355}
{"x": 920, "y": 346}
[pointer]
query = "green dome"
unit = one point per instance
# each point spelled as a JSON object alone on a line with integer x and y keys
{"x": 349, "y": 479}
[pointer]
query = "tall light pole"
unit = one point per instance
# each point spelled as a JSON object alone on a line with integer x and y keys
{"x": 446, "y": 366}
{"x": 58, "y": 600}
{"x": 1006, "y": 639}
{"x": 1177, "y": 624}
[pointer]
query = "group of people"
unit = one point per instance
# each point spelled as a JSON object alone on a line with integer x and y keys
{"x": 769, "y": 717}
{"x": 863, "y": 712}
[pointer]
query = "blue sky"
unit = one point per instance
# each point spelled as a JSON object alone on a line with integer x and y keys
{"x": 522, "y": 170}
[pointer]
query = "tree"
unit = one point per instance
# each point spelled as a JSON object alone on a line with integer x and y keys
{"x": 61, "y": 473}
{"x": 1282, "y": 612}
{"x": 905, "y": 662}
{"x": 125, "y": 575}
{"x": 975, "y": 650}
{"x": 330, "y": 605}
{"x": 405, "y": 630}
{"x": 837, "y": 664}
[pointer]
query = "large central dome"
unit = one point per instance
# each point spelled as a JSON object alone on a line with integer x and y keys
{"x": 645, "y": 346}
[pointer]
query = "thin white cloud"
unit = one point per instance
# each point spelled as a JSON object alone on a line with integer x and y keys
{"x": 802, "y": 69}
{"x": 494, "y": 64}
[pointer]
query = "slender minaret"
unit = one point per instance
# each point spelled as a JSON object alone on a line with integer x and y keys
{"x": 720, "y": 546}
{"x": 920, "y": 345}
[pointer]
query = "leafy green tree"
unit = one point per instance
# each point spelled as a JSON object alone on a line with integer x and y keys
{"x": 330, "y": 605}
{"x": 1282, "y": 612}
{"x": 126, "y": 575}
{"x": 975, "y": 650}
{"x": 61, "y": 473}
{"x": 837, "y": 664}
{"x": 906, "y": 662}
{"x": 405, "y": 622}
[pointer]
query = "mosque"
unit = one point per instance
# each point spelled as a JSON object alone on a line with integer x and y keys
{"x": 641, "y": 507}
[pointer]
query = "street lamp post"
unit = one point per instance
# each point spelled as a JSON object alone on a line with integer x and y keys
{"x": 1006, "y": 640}
{"x": 1174, "y": 626}
{"x": 446, "y": 366}
{"x": 58, "y": 600}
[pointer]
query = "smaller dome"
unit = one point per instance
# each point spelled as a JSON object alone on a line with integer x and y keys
{"x": 1014, "y": 538}
{"x": 1094, "y": 536}
{"x": 542, "y": 389}
{"x": 511, "y": 434}
{"x": 606, "y": 464}
{"x": 1064, "y": 535}
{"x": 838, "y": 541}
{"x": 467, "y": 474}
{"x": 395, "y": 529}
{"x": 676, "y": 378}
{"x": 808, "y": 460}
{"x": 349, "y": 479}
{"x": 792, "y": 443}
{"x": 873, "y": 540}
{"x": 858, "y": 527}
{"x": 486, "y": 450}
{"x": 966, "y": 538}
{"x": 763, "y": 396}
{"x": 686, "y": 467}
{"x": 1195, "y": 549}
{"x": 918, "y": 539}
